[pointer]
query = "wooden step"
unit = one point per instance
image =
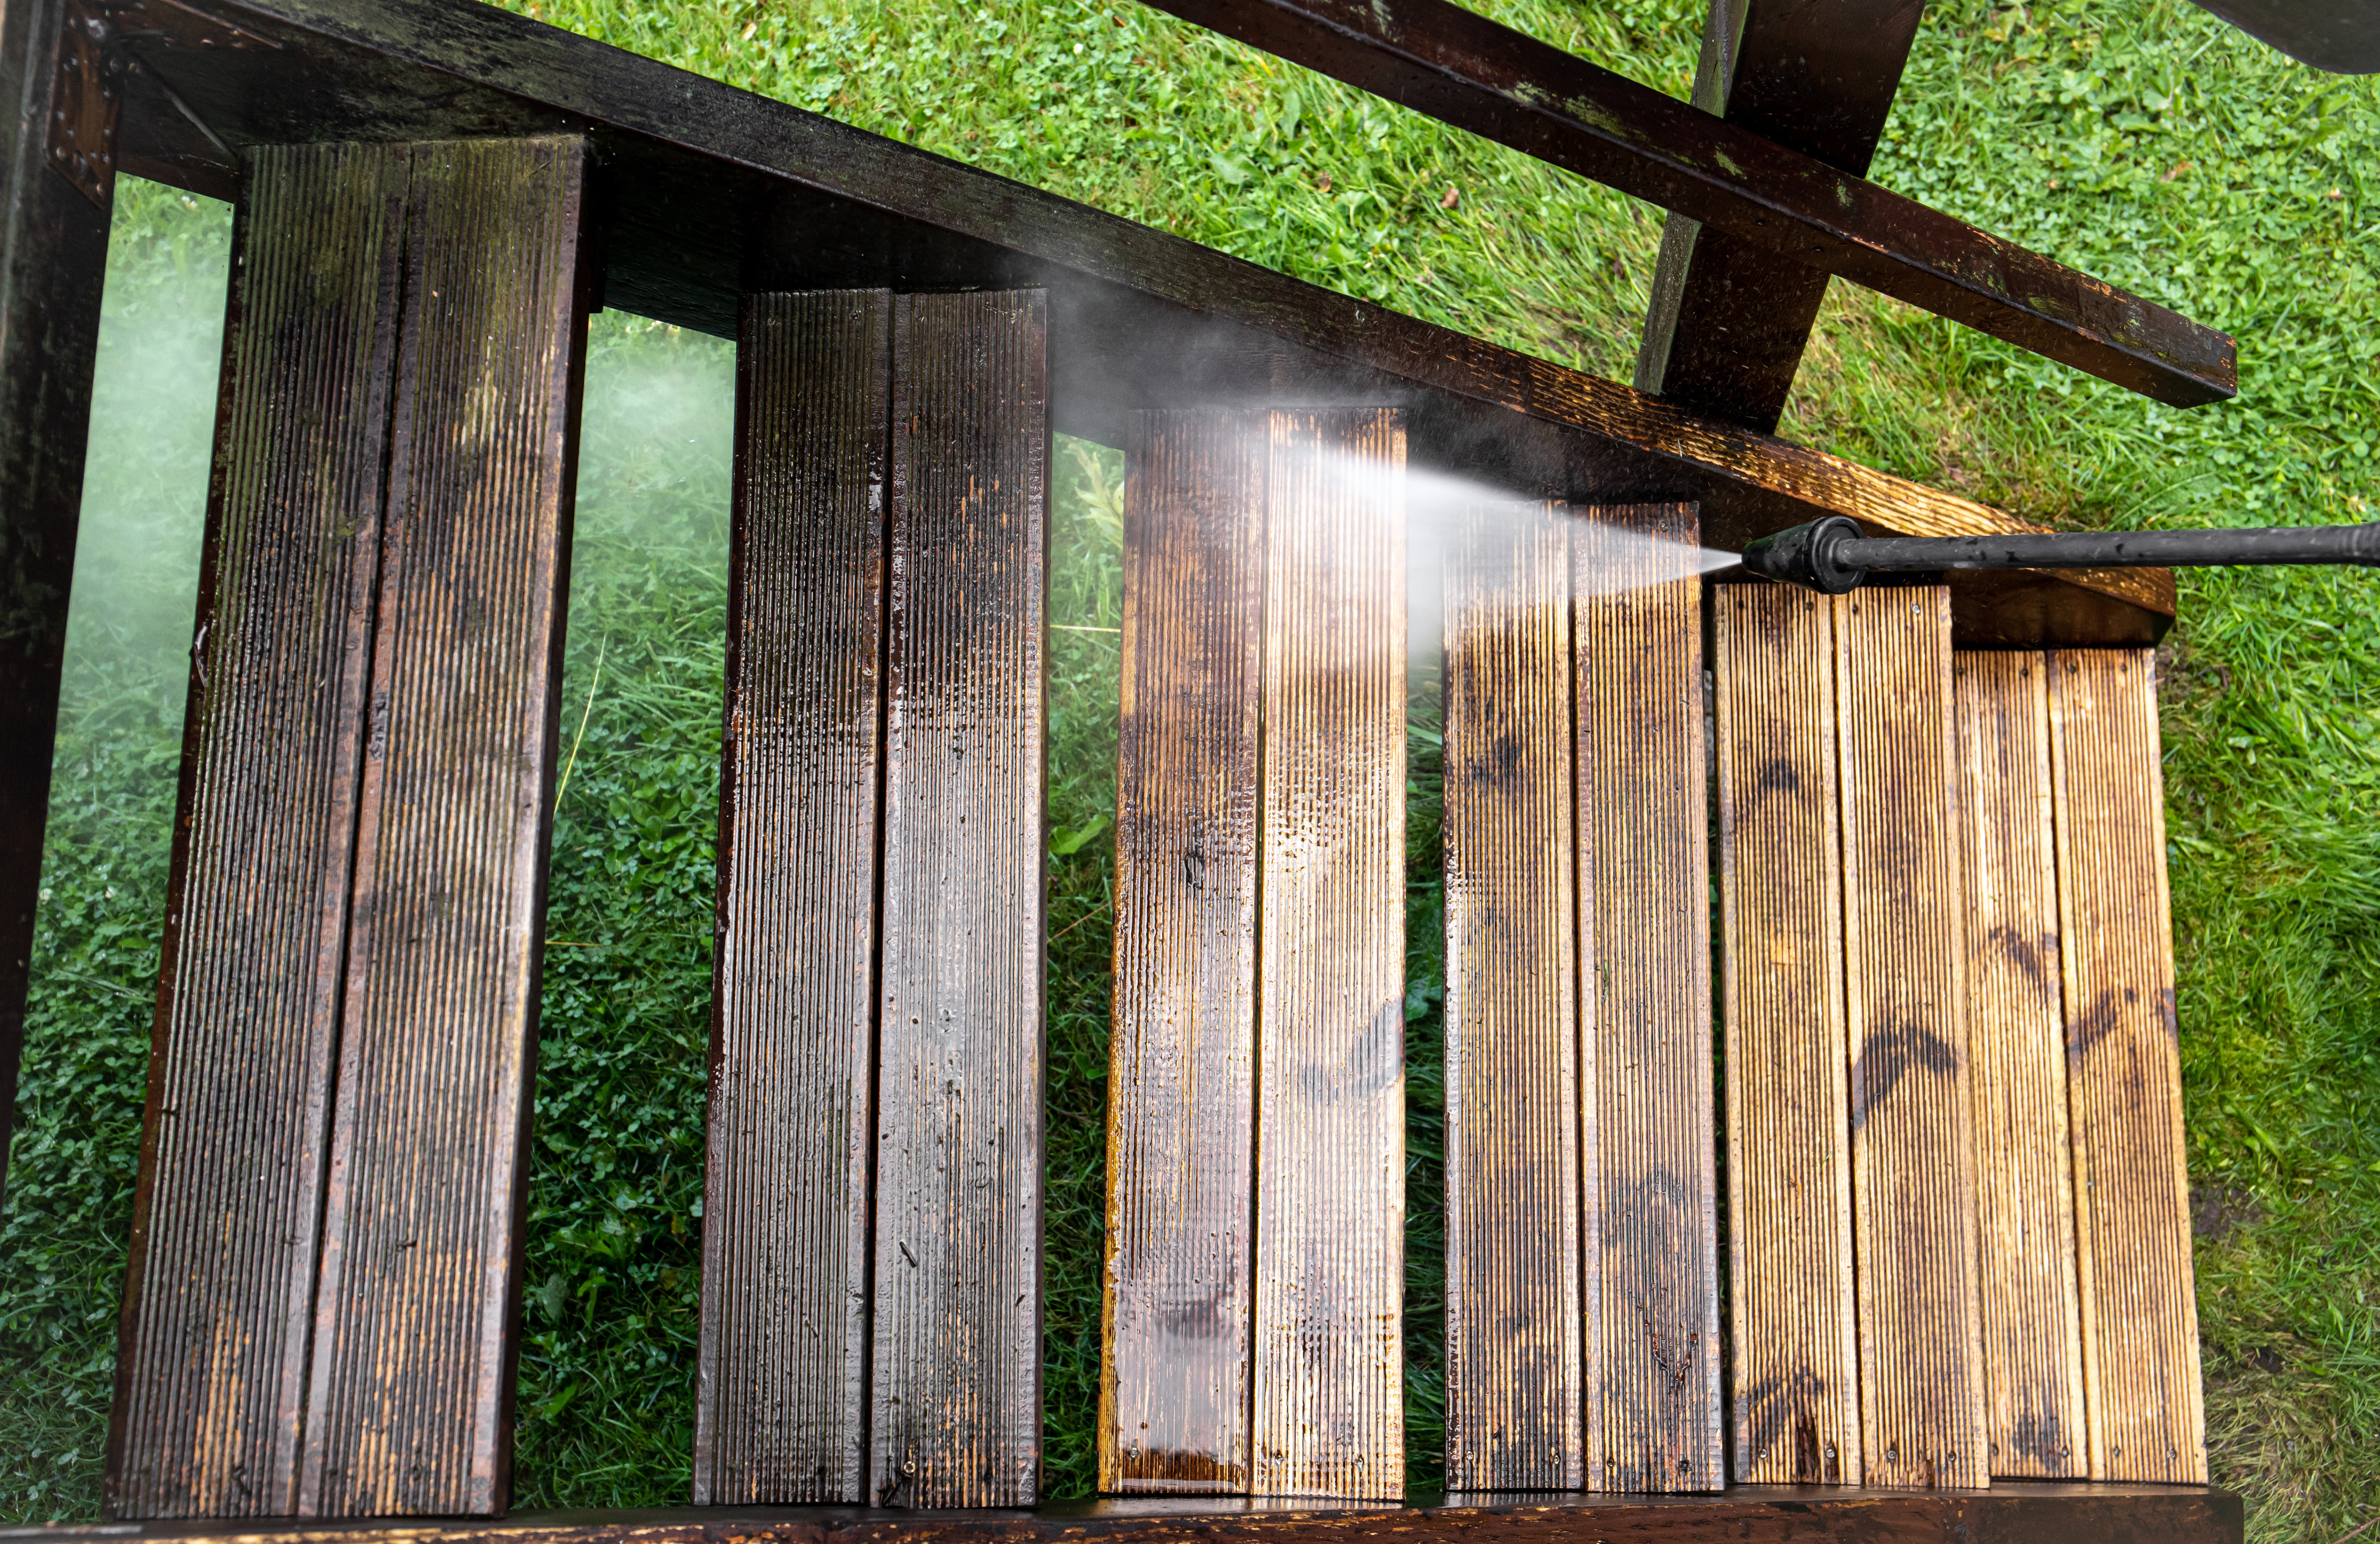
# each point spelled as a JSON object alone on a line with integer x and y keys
{"x": 328, "y": 1223}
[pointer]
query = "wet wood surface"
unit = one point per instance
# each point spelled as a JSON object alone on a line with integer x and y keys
{"x": 955, "y": 1410}
{"x": 2042, "y": 1514}
{"x": 1175, "y": 1365}
{"x": 1912, "y": 1126}
{"x": 782, "y": 1406}
{"x": 1329, "y": 1396}
{"x": 2024, "y": 1191}
{"x": 712, "y": 191}
{"x": 1796, "y": 1409}
{"x": 409, "y": 1405}
{"x": 1518, "y": 1408}
{"x": 210, "y": 1378}
{"x": 2140, "y": 1315}
{"x": 1650, "y": 1180}
{"x": 53, "y": 265}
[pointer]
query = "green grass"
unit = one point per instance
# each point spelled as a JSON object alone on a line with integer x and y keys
{"x": 2139, "y": 140}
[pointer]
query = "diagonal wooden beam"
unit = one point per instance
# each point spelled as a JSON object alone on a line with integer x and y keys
{"x": 1728, "y": 317}
{"x": 1438, "y": 59}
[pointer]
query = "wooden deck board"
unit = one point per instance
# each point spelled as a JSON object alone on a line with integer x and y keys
{"x": 1516, "y": 1400}
{"x": 1912, "y": 1142}
{"x": 1174, "y": 1383}
{"x": 1795, "y": 1398}
{"x": 410, "y": 1407}
{"x": 1651, "y": 1177}
{"x": 1329, "y": 1270}
{"x": 2025, "y": 1192}
{"x": 2140, "y": 1311}
{"x": 956, "y": 1340}
{"x": 780, "y": 1412}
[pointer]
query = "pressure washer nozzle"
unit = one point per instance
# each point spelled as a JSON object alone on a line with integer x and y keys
{"x": 1808, "y": 556}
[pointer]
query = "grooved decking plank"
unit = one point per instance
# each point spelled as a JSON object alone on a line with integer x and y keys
{"x": 781, "y": 1416}
{"x": 2025, "y": 1192}
{"x": 1516, "y": 1398}
{"x": 1795, "y": 1400}
{"x": 1329, "y": 1357}
{"x": 2140, "y": 1311}
{"x": 956, "y": 1337}
{"x": 1651, "y": 1181}
{"x": 212, "y": 1376}
{"x": 1174, "y": 1384}
{"x": 1913, "y": 1131}
{"x": 410, "y": 1407}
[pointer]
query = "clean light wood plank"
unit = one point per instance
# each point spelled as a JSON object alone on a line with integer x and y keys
{"x": 781, "y": 1413}
{"x": 956, "y": 1340}
{"x": 1912, "y": 1130}
{"x": 1175, "y": 1385}
{"x": 212, "y": 1376}
{"x": 410, "y": 1404}
{"x": 1515, "y": 1393}
{"x": 1329, "y": 1365}
{"x": 2139, "y": 1311}
{"x": 1795, "y": 1399}
{"x": 2024, "y": 1194}
{"x": 1652, "y": 1186}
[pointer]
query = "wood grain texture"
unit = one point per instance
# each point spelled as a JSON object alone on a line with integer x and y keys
{"x": 956, "y": 1337}
{"x": 210, "y": 1378}
{"x": 1912, "y": 1130}
{"x": 409, "y": 1405}
{"x": 781, "y": 1413}
{"x": 1651, "y": 1182}
{"x": 1793, "y": 1325}
{"x": 1174, "y": 1382}
{"x": 1330, "y": 1368}
{"x": 1516, "y": 1398}
{"x": 2140, "y": 1311}
{"x": 2024, "y": 1191}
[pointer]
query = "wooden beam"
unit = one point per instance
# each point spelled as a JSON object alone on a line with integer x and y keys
{"x": 53, "y": 264}
{"x": 1728, "y": 317}
{"x": 1438, "y": 59}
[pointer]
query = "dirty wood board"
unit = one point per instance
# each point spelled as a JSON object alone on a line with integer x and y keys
{"x": 1651, "y": 1181}
{"x": 956, "y": 1337}
{"x": 1516, "y": 1399}
{"x": 212, "y": 1376}
{"x": 1329, "y": 1350}
{"x": 780, "y": 1412}
{"x": 1174, "y": 1380}
{"x": 1795, "y": 1404}
{"x": 2024, "y": 1193}
{"x": 1913, "y": 1131}
{"x": 2139, "y": 1314}
{"x": 410, "y": 1406}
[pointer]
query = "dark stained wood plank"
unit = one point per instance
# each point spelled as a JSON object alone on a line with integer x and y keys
{"x": 2024, "y": 1191}
{"x": 2132, "y": 1189}
{"x": 1174, "y": 1382}
{"x": 1793, "y": 1323}
{"x": 1651, "y": 1182}
{"x": 211, "y": 1379}
{"x": 956, "y": 1402}
{"x": 53, "y": 262}
{"x": 2041, "y": 1513}
{"x": 1518, "y": 1409}
{"x": 1330, "y": 1363}
{"x": 410, "y": 1406}
{"x": 715, "y": 191}
{"x": 1462, "y": 68}
{"x": 1912, "y": 1129}
{"x": 1729, "y": 318}
{"x": 781, "y": 1415}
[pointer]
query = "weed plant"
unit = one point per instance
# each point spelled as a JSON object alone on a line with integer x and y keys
{"x": 2138, "y": 139}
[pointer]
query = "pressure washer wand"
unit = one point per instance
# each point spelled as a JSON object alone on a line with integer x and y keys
{"x": 1831, "y": 557}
